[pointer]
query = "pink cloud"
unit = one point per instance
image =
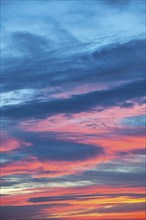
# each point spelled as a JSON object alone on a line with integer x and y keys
{"x": 10, "y": 143}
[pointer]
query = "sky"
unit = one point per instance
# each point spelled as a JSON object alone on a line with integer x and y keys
{"x": 73, "y": 110}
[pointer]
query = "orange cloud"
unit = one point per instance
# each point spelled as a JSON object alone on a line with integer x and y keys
{"x": 50, "y": 168}
{"x": 88, "y": 207}
{"x": 22, "y": 198}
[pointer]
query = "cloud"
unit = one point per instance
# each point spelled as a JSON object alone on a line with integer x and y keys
{"x": 28, "y": 212}
{"x": 64, "y": 201}
{"x": 9, "y": 143}
{"x": 124, "y": 62}
{"x": 125, "y": 171}
{"x": 73, "y": 95}
{"x": 123, "y": 96}
{"x": 29, "y": 43}
{"x": 47, "y": 157}
{"x": 117, "y": 178}
{"x": 122, "y": 208}
{"x": 141, "y": 151}
{"x": 81, "y": 197}
{"x": 48, "y": 149}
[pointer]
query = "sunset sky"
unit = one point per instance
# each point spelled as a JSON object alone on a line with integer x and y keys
{"x": 73, "y": 109}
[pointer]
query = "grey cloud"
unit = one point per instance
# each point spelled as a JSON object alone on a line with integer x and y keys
{"x": 81, "y": 197}
{"x": 117, "y": 173}
{"x": 80, "y": 65}
{"x": 118, "y": 96}
{"x": 26, "y": 212}
{"x": 46, "y": 148}
{"x": 121, "y": 208}
{"x": 29, "y": 43}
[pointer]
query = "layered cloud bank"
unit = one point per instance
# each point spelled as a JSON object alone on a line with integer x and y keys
{"x": 73, "y": 110}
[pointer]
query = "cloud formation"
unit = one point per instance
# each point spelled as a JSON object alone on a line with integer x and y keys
{"x": 72, "y": 110}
